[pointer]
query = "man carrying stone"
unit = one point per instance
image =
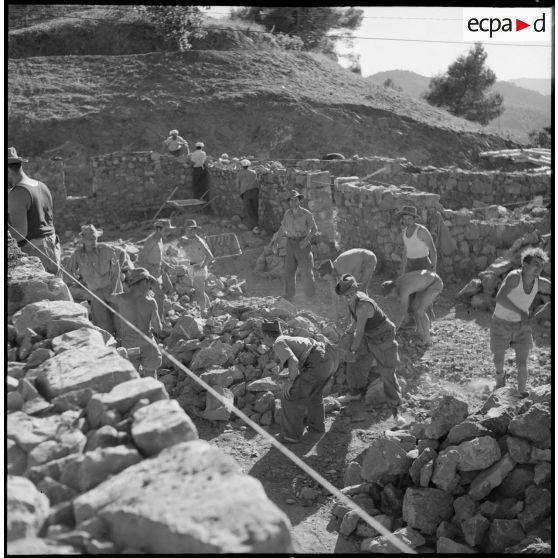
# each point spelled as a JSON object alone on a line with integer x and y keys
{"x": 31, "y": 215}
{"x": 358, "y": 262}
{"x": 248, "y": 186}
{"x": 311, "y": 364}
{"x": 511, "y": 321}
{"x": 298, "y": 226}
{"x": 99, "y": 266}
{"x": 176, "y": 145}
{"x": 151, "y": 258}
{"x": 373, "y": 338}
{"x": 139, "y": 309}
{"x": 200, "y": 256}
{"x": 426, "y": 286}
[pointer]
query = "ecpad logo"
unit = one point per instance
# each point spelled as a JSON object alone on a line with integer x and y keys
{"x": 510, "y": 24}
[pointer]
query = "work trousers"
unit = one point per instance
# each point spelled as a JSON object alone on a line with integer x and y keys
{"x": 299, "y": 257}
{"x": 250, "y": 200}
{"x": 306, "y": 394}
{"x": 100, "y": 315}
{"x": 378, "y": 344}
{"x": 199, "y": 183}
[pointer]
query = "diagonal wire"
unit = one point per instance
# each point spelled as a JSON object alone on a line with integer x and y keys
{"x": 398, "y": 543}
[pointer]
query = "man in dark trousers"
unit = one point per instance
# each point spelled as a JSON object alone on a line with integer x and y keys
{"x": 30, "y": 213}
{"x": 373, "y": 338}
{"x": 298, "y": 226}
{"x": 198, "y": 160}
{"x": 311, "y": 363}
{"x": 248, "y": 188}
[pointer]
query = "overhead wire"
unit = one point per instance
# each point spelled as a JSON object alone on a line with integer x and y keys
{"x": 370, "y": 520}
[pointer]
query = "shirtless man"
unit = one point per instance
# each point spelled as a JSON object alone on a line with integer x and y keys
{"x": 141, "y": 310}
{"x": 358, "y": 262}
{"x": 426, "y": 286}
{"x": 200, "y": 256}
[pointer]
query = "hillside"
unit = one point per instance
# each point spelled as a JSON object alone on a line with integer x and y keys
{"x": 525, "y": 109}
{"x": 237, "y": 93}
{"x": 542, "y": 86}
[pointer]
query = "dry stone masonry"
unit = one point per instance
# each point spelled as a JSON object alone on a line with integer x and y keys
{"x": 102, "y": 461}
{"x": 463, "y": 482}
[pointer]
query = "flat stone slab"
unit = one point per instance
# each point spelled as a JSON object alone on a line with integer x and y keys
{"x": 98, "y": 368}
{"x": 77, "y": 339}
{"x": 38, "y": 314}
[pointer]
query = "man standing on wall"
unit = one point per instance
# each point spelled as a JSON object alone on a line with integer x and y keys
{"x": 199, "y": 172}
{"x": 511, "y": 321}
{"x": 100, "y": 266}
{"x": 373, "y": 338}
{"x": 248, "y": 187}
{"x": 31, "y": 215}
{"x": 176, "y": 145}
{"x": 298, "y": 225}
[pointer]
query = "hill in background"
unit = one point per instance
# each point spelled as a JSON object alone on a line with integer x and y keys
{"x": 94, "y": 81}
{"x": 525, "y": 109}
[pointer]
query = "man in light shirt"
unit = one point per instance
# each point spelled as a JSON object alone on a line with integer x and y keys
{"x": 248, "y": 187}
{"x": 511, "y": 321}
{"x": 311, "y": 364}
{"x": 298, "y": 226}
{"x": 176, "y": 145}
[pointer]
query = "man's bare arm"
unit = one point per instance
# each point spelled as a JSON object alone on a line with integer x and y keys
{"x": 426, "y": 237}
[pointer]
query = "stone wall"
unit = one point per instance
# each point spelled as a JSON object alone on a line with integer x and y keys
{"x": 366, "y": 218}
{"x": 459, "y": 188}
{"x": 86, "y": 436}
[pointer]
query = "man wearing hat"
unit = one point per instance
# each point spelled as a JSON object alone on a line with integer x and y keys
{"x": 200, "y": 256}
{"x": 31, "y": 215}
{"x": 311, "y": 364}
{"x": 141, "y": 310}
{"x": 248, "y": 186}
{"x": 358, "y": 262}
{"x": 100, "y": 266}
{"x": 198, "y": 158}
{"x": 176, "y": 145}
{"x": 373, "y": 338}
{"x": 151, "y": 258}
{"x": 298, "y": 226}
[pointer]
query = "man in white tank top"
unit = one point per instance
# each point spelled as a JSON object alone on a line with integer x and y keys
{"x": 511, "y": 321}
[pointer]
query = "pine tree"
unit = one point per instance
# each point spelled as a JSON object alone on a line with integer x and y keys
{"x": 462, "y": 89}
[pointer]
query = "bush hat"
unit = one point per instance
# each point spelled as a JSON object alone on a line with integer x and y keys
{"x": 245, "y": 163}
{"x": 173, "y": 132}
{"x": 90, "y": 230}
{"x": 272, "y": 326}
{"x": 295, "y": 194}
{"x": 345, "y": 283}
{"x": 13, "y": 158}
{"x": 408, "y": 210}
{"x": 138, "y": 274}
{"x": 200, "y": 144}
{"x": 325, "y": 268}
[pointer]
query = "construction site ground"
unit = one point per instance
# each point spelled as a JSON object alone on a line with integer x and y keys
{"x": 458, "y": 363}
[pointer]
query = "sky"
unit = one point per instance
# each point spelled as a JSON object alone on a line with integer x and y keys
{"x": 430, "y": 58}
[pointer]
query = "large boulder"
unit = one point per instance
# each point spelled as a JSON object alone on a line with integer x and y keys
{"x": 449, "y": 412}
{"x": 37, "y": 315}
{"x": 538, "y": 505}
{"x": 160, "y": 425}
{"x": 190, "y": 498}
{"x": 478, "y": 453}
{"x": 445, "y": 475}
{"x": 216, "y": 409}
{"x": 27, "y": 509}
{"x": 384, "y": 461}
{"x": 77, "y": 339}
{"x": 490, "y": 478}
{"x": 533, "y": 425}
{"x": 28, "y": 282}
{"x": 425, "y": 508}
{"x": 216, "y": 354}
{"x": 97, "y": 368}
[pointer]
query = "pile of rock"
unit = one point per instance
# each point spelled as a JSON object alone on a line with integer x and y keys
{"x": 226, "y": 351}
{"x": 480, "y": 292}
{"x": 100, "y": 460}
{"x": 462, "y": 482}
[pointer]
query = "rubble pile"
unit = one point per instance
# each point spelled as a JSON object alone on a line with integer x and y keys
{"x": 97, "y": 456}
{"x": 226, "y": 351}
{"x": 480, "y": 292}
{"x": 460, "y": 483}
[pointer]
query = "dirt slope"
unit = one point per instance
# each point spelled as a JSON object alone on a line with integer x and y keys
{"x": 272, "y": 104}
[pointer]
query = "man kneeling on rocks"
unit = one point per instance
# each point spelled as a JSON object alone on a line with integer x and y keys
{"x": 373, "y": 338}
{"x": 426, "y": 286}
{"x": 141, "y": 310}
{"x": 311, "y": 364}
